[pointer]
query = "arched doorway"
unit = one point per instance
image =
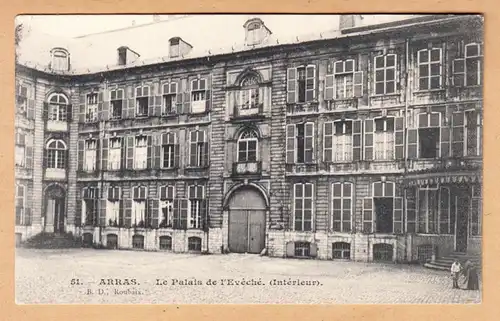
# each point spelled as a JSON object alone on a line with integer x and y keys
{"x": 55, "y": 208}
{"x": 247, "y": 221}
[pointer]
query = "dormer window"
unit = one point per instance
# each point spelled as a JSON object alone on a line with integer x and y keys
{"x": 122, "y": 56}
{"x": 60, "y": 59}
{"x": 256, "y": 32}
{"x": 174, "y": 47}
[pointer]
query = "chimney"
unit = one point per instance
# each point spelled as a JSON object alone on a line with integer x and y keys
{"x": 347, "y": 21}
{"x": 156, "y": 18}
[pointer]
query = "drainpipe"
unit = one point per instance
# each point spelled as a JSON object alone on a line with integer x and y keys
{"x": 405, "y": 122}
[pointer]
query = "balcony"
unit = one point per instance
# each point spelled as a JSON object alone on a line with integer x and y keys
{"x": 301, "y": 168}
{"x": 445, "y": 164}
{"x": 254, "y": 112}
{"x": 302, "y": 108}
{"x": 247, "y": 168}
{"x": 341, "y": 104}
{"x": 55, "y": 173}
{"x": 57, "y": 126}
{"x": 198, "y": 107}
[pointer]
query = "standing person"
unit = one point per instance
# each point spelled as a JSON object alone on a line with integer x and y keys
{"x": 471, "y": 276}
{"x": 456, "y": 267}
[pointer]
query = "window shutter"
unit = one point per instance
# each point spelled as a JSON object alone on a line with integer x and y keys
{"x": 412, "y": 143}
{"x": 445, "y": 141}
{"x": 128, "y": 213}
{"x": 177, "y": 214}
{"x": 356, "y": 140}
{"x": 81, "y": 109}
{"x": 157, "y": 150}
{"x": 292, "y": 85}
{"x": 102, "y": 212}
{"x": 208, "y": 94}
{"x": 368, "y": 215}
{"x": 81, "y": 153}
{"x": 31, "y": 109}
{"x": 206, "y": 155}
{"x": 29, "y": 152}
{"x": 204, "y": 214}
{"x": 149, "y": 162}
{"x": 313, "y": 250}
{"x": 46, "y": 111}
{"x": 398, "y": 215}
{"x": 78, "y": 213}
{"x": 368, "y": 139}
{"x": 130, "y": 152}
{"x": 290, "y": 144}
{"x": 154, "y": 213}
{"x": 130, "y": 103}
{"x": 358, "y": 84}
{"x": 329, "y": 82}
{"x": 458, "y": 123}
{"x": 69, "y": 112}
{"x": 411, "y": 210}
{"x": 192, "y": 148}
{"x": 105, "y": 105}
{"x": 399, "y": 141}
{"x": 184, "y": 214}
{"x": 104, "y": 156}
{"x": 151, "y": 104}
{"x": 290, "y": 249}
{"x": 310, "y": 83}
{"x": 180, "y": 97}
{"x": 328, "y": 142}
{"x": 458, "y": 69}
{"x": 186, "y": 99}
{"x": 177, "y": 154}
{"x": 309, "y": 142}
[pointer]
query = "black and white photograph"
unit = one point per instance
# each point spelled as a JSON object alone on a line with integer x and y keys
{"x": 249, "y": 159}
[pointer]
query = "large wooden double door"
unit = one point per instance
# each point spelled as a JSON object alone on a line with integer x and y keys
{"x": 247, "y": 221}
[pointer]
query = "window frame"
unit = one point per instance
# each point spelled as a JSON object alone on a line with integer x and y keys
{"x": 140, "y": 97}
{"x": 254, "y": 138}
{"x": 58, "y": 153}
{"x": 429, "y": 64}
{"x": 385, "y": 142}
{"x": 385, "y": 69}
{"x": 57, "y": 107}
{"x": 342, "y": 209}
{"x": 117, "y": 93}
{"x": 172, "y": 94}
{"x": 303, "y": 199}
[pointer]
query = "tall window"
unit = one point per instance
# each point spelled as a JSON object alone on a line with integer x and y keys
{"x": 429, "y": 134}
{"x": 196, "y": 196}
{"x": 300, "y": 143}
{"x": 342, "y": 206}
{"x": 56, "y": 154}
{"x": 344, "y": 77}
{"x": 174, "y": 47}
{"x": 472, "y": 133}
{"x": 384, "y": 138}
{"x": 385, "y": 74}
{"x": 22, "y": 98}
{"x": 170, "y": 150}
{"x": 20, "y": 204}
{"x": 303, "y": 197}
{"x": 169, "y": 98}
{"x": 141, "y": 101}
{"x": 89, "y": 205}
{"x": 429, "y": 68}
{"x": 60, "y": 60}
{"x": 198, "y": 95}
{"x": 113, "y": 206}
{"x": 434, "y": 210}
{"x": 116, "y": 103}
{"x": 91, "y": 112}
{"x": 58, "y": 107}
{"x": 476, "y": 211}
{"x": 249, "y": 96}
{"x": 141, "y": 152}
{"x": 139, "y": 194}
{"x": 115, "y": 153}
{"x": 342, "y": 141}
{"x": 467, "y": 71}
{"x": 20, "y": 149}
{"x": 301, "y": 84}
{"x": 248, "y": 146}
{"x": 198, "y": 149}
{"x": 90, "y": 155}
{"x": 167, "y": 205}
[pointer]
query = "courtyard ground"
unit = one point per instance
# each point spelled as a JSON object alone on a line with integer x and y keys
{"x": 74, "y": 276}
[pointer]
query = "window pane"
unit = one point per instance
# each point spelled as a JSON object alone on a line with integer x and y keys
{"x": 346, "y": 204}
{"x": 423, "y": 56}
{"x": 379, "y": 62}
{"x": 379, "y": 75}
{"x": 298, "y": 190}
{"x": 423, "y": 71}
{"x": 337, "y": 190}
{"x": 435, "y": 69}
{"x": 435, "y": 82}
{"x": 308, "y": 204}
{"x": 308, "y": 190}
{"x": 347, "y": 190}
{"x": 423, "y": 83}
{"x": 435, "y": 55}
{"x": 471, "y": 50}
{"x": 391, "y": 61}
{"x": 337, "y": 215}
{"x": 337, "y": 203}
{"x": 379, "y": 88}
{"x": 349, "y": 66}
{"x": 389, "y": 189}
{"x": 390, "y": 74}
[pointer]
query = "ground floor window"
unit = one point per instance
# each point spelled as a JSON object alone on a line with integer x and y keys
{"x": 194, "y": 244}
{"x": 165, "y": 243}
{"x": 384, "y": 207}
{"x": 425, "y": 252}
{"x": 112, "y": 241}
{"x": 302, "y": 249}
{"x": 113, "y": 213}
{"x": 382, "y": 252}
{"x": 138, "y": 212}
{"x": 476, "y": 211}
{"x": 138, "y": 242}
{"x": 87, "y": 239}
{"x": 341, "y": 250}
{"x": 434, "y": 210}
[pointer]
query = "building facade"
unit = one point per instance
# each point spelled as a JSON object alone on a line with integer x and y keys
{"x": 361, "y": 144}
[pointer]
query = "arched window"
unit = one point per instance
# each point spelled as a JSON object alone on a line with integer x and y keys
{"x": 194, "y": 244}
{"x": 58, "y": 107}
{"x": 60, "y": 59}
{"x": 165, "y": 242}
{"x": 56, "y": 154}
{"x": 248, "y": 143}
{"x": 249, "y": 96}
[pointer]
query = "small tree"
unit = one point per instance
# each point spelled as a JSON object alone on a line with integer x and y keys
{"x": 18, "y": 37}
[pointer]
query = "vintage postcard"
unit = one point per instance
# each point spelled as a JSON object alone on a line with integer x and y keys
{"x": 249, "y": 158}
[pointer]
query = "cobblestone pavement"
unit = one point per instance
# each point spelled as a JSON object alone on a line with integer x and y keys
{"x": 44, "y": 276}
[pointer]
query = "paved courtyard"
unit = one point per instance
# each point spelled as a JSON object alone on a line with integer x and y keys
{"x": 74, "y": 276}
